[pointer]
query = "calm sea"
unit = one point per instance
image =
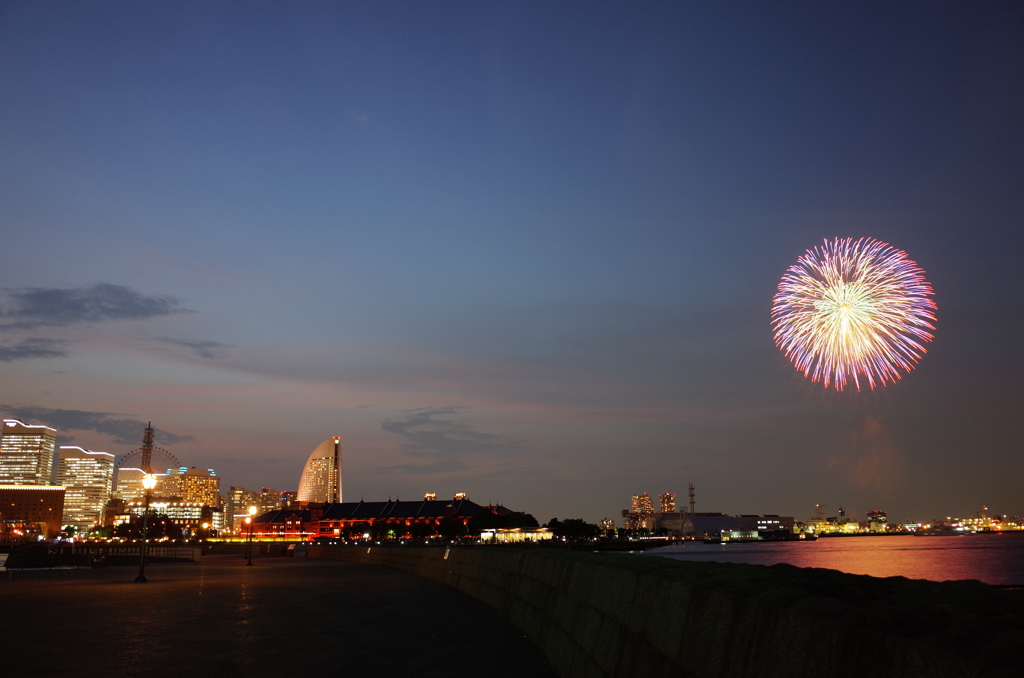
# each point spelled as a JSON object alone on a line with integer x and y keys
{"x": 991, "y": 558}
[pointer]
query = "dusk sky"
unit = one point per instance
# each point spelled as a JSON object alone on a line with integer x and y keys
{"x": 522, "y": 250}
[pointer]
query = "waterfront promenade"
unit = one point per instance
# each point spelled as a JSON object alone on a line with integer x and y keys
{"x": 281, "y": 617}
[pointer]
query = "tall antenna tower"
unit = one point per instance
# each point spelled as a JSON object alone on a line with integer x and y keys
{"x": 147, "y": 448}
{"x": 144, "y": 455}
{"x": 693, "y": 502}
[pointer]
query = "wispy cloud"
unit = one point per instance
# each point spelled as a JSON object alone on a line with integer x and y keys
{"x": 33, "y": 347}
{"x": 445, "y": 466}
{"x": 211, "y": 350}
{"x": 30, "y": 307}
{"x": 358, "y": 117}
{"x": 442, "y": 442}
{"x": 122, "y": 431}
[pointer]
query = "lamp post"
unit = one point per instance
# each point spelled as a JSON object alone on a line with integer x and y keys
{"x": 148, "y": 482}
{"x": 250, "y": 519}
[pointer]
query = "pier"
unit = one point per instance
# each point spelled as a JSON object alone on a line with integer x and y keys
{"x": 373, "y": 610}
{"x": 282, "y": 617}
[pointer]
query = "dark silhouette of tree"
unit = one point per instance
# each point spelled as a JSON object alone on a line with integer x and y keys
{"x": 357, "y": 530}
{"x": 452, "y": 528}
{"x": 573, "y": 528}
{"x": 421, "y": 530}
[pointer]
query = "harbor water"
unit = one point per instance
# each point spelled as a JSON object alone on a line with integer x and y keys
{"x": 991, "y": 558}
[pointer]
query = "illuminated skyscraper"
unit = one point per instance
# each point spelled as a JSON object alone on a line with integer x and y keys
{"x": 26, "y": 453}
{"x": 88, "y": 478}
{"x": 321, "y": 477}
{"x": 642, "y": 504}
{"x": 199, "y": 486}
{"x": 236, "y": 506}
{"x": 128, "y": 485}
{"x": 268, "y": 499}
{"x": 643, "y": 509}
{"x": 667, "y": 502}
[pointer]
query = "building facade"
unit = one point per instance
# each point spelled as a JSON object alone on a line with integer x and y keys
{"x": 339, "y": 521}
{"x": 750, "y": 527}
{"x": 671, "y": 523}
{"x": 88, "y": 478}
{"x": 200, "y": 486}
{"x": 236, "y": 507}
{"x": 190, "y": 517}
{"x": 128, "y": 485}
{"x": 878, "y": 521}
{"x": 30, "y": 510}
{"x": 321, "y": 477}
{"x": 642, "y": 510}
{"x": 268, "y": 499}
{"x": 26, "y": 453}
{"x": 190, "y": 485}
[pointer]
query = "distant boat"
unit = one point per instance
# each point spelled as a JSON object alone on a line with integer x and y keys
{"x": 940, "y": 531}
{"x": 761, "y": 539}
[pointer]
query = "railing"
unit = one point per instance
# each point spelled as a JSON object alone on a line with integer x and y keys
{"x": 153, "y": 551}
{"x": 92, "y": 555}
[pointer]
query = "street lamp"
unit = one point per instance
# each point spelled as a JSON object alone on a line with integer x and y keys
{"x": 148, "y": 482}
{"x": 250, "y": 519}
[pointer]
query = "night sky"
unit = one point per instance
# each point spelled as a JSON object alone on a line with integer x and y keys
{"x": 522, "y": 250}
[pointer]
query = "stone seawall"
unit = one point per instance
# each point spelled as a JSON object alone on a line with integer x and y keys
{"x": 623, "y": 615}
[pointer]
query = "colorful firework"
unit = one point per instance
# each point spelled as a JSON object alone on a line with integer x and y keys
{"x": 853, "y": 311}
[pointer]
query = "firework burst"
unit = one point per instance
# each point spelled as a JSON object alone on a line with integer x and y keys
{"x": 853, "y": 311}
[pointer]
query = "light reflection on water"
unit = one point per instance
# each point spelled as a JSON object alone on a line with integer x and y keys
{"x": 991, "y": 558}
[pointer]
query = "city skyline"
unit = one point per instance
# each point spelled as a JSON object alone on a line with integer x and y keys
{"x": 90, "y": 478}
{"x": 525, "y": 252}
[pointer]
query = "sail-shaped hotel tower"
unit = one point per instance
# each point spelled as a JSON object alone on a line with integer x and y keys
{"x": 321, "y": 478}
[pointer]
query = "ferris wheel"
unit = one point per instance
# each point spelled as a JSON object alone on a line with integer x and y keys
{"x": 161, "y": 459}
{"x": 142, "y": 456}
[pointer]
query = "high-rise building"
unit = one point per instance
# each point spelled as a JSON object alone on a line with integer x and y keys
{"x": 642, "y": 504}
{"x": 191, "y": 485}
{"x": 239, "y": 499}
{"x": 128, "y": 485}
{"x": 236, "y": 506}
{"x": 26, "y": 453}
{"x": 88, "y": 478}
{"x": 643, "y": 509}
{"x": 321, "y": 477}
{"x": 667, "y": 502}
{"x": 268, "y": 499}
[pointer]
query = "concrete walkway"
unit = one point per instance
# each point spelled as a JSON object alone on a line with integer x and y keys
{"x": 282, "y": 617}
